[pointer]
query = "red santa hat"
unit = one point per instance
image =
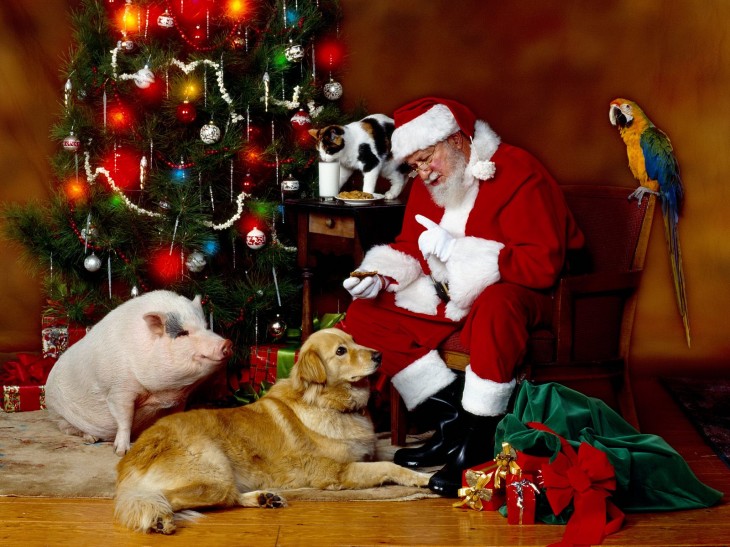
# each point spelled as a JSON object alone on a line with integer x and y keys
{"x": 425, "y": 122}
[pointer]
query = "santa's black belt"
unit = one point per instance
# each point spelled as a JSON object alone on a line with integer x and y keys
{"x": 442, "y": 289}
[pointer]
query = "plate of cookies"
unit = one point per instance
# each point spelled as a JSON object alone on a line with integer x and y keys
{"x": 357, "y": 197}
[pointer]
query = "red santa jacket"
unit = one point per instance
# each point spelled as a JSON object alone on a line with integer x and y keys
{"x": 514, "y": 227}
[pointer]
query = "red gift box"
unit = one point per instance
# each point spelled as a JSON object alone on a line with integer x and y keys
{"x": 269, "y": 362}
{"x": 521, "y": 499}
{"x": 484, "y": 485}
{"x": 28, "y": 369}
{"x": 57, "y": 336}
{"x": 24, "y": 398}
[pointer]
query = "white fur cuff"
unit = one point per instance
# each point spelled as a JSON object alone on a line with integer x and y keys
{"x": 422, "y": 378}
{"x": 472, "y": 267}
{"x": 387, "y": 261}
{"x": 485, "y": 397}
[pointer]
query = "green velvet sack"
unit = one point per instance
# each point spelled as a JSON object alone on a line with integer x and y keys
{"x": 650, "y": 474}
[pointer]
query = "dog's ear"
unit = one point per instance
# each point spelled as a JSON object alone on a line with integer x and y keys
{"x": 310, "y": 369}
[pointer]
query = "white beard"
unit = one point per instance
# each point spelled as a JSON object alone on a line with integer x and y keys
{"x": 451, "y": 192}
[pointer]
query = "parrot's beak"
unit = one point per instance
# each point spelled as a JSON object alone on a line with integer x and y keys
{"x": 617, "y": 117}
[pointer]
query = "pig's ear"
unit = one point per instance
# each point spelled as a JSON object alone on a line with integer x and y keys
{"x": 196, "y": 300}
{"x": 155, "y": 322}
{"x": 309, "y": 370}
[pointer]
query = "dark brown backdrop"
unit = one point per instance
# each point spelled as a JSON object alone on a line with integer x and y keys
{"x": 540, "y": 72}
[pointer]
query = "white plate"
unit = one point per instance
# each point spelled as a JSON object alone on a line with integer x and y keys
{"x": 374, "y": 199}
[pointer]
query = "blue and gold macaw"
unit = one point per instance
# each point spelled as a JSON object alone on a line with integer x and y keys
{"x": 653, "y": 164}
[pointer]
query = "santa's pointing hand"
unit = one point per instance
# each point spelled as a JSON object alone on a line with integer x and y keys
{"x": 434, "y": 241}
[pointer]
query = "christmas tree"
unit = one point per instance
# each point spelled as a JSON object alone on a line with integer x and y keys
{"x": 182, "y": 128}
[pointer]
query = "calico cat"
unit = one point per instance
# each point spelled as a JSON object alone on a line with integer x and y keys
{"x": 363, "y": 146}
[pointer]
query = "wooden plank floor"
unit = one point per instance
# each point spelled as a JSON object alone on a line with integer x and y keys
{"x": 44, "y": 521}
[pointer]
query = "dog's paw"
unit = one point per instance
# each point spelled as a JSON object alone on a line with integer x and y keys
{"x": 164, "y": 525}
{"x": 416, "y": 478}
{"x": 269, "y": 500}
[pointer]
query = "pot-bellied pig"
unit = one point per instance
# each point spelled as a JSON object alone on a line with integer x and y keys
{"x": 139, "y": 362}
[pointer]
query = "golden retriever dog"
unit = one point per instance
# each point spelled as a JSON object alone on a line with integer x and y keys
{"x": 310, "y": 430}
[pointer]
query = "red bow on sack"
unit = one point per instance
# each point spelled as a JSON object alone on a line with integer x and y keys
{"x": 28, "y": 370}
{"x": 588, "y": 479}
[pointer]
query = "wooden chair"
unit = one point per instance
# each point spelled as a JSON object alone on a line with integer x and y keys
{"x": 587, "y": 345}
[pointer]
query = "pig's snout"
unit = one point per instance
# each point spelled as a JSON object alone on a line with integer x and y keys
{"x": 227, "y": 349}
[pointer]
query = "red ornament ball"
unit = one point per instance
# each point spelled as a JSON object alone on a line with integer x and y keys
{"x": 301, "y": 121}
{"x": 186, "y": 112}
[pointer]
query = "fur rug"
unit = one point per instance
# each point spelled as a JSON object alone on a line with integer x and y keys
{"x": 36, "y": 459}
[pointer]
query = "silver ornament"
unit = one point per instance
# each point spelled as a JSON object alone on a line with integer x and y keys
{"x": 276, "y": 329}
{"x": 89, "y": 233}
{"x": 210, "y": 133}
{"x": 144, "y": 77}
{"x": 126, "y": 45}
{"x": 294, "y": 52}
{"x": 165, "y": 20}
{"x": 71, "y": 143}
{"x": 195, "y": 261}
{"x": 92, "y": 262}
{"x": 135, "y": 291}
{"x": 289, "y": 185}
{"x": 333, "y": 90}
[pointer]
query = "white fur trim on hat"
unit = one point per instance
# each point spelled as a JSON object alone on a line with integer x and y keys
{"x": 422, "y": 378}
{"x": 485, "y": 397}
{"x": 429, "y": 128}
{"x": 483, "y": 146}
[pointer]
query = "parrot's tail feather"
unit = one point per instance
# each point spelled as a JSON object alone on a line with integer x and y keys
{"x": 675, "y": 255}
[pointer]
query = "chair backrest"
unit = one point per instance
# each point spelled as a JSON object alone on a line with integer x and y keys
{"x": 617, "y": 235}
{"x": 616, "y": 228}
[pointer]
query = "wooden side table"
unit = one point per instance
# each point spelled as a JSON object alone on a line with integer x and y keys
{"x": 333, "y": 228}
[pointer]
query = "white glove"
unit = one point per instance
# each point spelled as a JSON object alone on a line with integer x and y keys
{"x": 365, "y": 287}
{"x": 435, "y": 240}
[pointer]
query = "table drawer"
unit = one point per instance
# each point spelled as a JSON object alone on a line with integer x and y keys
{"x": 332, "y": 225}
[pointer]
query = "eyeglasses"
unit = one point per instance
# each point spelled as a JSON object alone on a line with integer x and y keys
{"x": 425, "y": 163}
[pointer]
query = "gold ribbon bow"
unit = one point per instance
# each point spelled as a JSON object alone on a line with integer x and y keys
{"x": 506, "y": 464}
{"x": 475, "y": 493}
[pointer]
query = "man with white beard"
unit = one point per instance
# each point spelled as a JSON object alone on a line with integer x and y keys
{"x": 484, "y": 238}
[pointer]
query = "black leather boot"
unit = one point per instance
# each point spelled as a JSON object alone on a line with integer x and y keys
{"x": 476, "y": 447}
{"x": 446, "y": 407}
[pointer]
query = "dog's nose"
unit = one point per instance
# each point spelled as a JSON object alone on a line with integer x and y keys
{"x": 377, "y": 357}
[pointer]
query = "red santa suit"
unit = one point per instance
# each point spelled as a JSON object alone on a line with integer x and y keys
{"x": 512, "y": 232}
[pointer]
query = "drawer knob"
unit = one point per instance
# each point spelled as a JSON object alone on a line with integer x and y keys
{"x": 329, "y": 222}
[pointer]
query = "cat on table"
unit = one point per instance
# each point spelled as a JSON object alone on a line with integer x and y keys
{"x": 363, "y": 146}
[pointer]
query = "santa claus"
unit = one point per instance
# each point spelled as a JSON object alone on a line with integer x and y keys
{"x": 484, "y": 238}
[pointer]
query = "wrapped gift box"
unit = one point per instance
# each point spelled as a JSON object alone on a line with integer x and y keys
{"x": 57, "y": 335}
{"x": 269, "y": 362}
{"x": 521, "y": 499}
{"x": 24, "y": 398}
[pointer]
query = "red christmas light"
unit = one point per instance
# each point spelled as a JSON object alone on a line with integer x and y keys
{"x": 186, "y": 112}
{"x": 330, "y": 54}
{"x": 123, "y": 166}
{"x": 166, "y": 267}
